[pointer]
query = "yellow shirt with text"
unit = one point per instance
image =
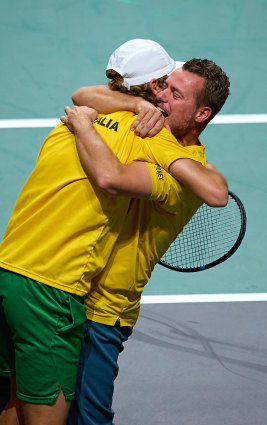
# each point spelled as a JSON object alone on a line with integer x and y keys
{"x": 63, "y": 227}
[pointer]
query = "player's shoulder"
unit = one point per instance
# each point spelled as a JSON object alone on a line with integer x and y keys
{"x": 164, "y": 135}
{"x": 59, "y": 133}
{"x": 118, "y": 116}
{"x": 197, "y": 153}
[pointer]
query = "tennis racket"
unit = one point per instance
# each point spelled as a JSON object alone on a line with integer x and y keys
{"x": 210, "y": 237}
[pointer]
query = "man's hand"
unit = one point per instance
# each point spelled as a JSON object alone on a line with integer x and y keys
{"x": 149, "y": 121}
{"x": 77, "y": 116}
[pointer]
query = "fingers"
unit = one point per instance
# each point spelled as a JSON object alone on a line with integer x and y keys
{"x": 148, "y": 123}
{"x": 68, "y": 118}
{"x": 74, "y": 110}
{"x": 67, "y": 109}
{"x": 142, "y": 117}
{"x": 78, "y": 116}
{"x": 63, "y": 119}
{"x": 156, "y": 128}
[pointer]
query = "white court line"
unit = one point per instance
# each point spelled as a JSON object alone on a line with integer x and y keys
{"x": 30, "y": 123}
{"x": 52, "y": 122}
{"x": 240, "y": 119}
{"x": 202, "y": 298}
{"x": 162, "y": 299}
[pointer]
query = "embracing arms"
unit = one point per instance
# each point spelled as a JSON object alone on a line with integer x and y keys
{"x": 101, "y": 163}
{"x": 134, "y": 179}
{"x": 149, "y": 119}
{"x": 207, "y": 183}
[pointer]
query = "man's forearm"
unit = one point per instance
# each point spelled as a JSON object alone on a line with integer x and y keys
{"x": 104, "y": 100}
{"x": 100, "y": 163}
{"x": 96, "y": 157}
{"x": 103, "y": 165}
{"x": 149, "y": 121}
{"x": 207, "y": 183}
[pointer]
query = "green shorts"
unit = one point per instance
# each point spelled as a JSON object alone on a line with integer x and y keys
{"x": 40, "y": 337}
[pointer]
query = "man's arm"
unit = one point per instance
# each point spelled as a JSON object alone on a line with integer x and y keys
{"x": 101, "y": 163}
{"x": 149, "y": 121}
{"x": 134, "y": 179}
{"x": 105, "y": 100}
{"x": 207, "y": 183}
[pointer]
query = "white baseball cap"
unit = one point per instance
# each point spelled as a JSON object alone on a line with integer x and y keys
{"x": 138, "y": 61}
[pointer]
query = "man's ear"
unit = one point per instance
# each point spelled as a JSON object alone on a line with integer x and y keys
{"x": 203, "y": 114}
{"x": 154, "y": 86}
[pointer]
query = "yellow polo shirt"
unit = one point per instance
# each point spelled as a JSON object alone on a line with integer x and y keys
{"x": 149, "y": 229}
{"x": 63, "y": 227}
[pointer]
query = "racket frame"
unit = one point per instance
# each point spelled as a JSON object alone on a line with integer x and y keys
{"x": 228, "y": 254}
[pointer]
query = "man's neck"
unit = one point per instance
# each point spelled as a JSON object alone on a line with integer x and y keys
{"x": 190, "y": 138}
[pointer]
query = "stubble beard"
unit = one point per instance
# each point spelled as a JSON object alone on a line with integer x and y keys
{"x": 180, "y": 128}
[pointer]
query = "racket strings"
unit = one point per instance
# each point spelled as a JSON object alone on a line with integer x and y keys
{"x": 209, "y": 235}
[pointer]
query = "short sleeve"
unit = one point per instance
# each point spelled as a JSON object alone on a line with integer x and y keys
{"x": 165, "y": 189}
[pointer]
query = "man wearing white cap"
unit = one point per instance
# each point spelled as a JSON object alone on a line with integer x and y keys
{"x": 114, "y": 300}
{"x": 125, "y": 68}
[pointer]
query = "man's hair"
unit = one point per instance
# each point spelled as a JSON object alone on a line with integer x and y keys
{"x": 142, "y": 90}
{"x": 216, "y": 86}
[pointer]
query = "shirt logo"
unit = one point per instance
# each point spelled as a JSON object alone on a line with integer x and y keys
{"x": 110, "y": 124}
{"x": 159, "y": 172}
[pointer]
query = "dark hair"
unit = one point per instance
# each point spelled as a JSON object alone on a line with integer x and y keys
{"x": 216, "y": 86}
{"x": 142, "y": 90}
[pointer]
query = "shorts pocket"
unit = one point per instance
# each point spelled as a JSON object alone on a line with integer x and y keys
{"x": 74, "y": 316}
